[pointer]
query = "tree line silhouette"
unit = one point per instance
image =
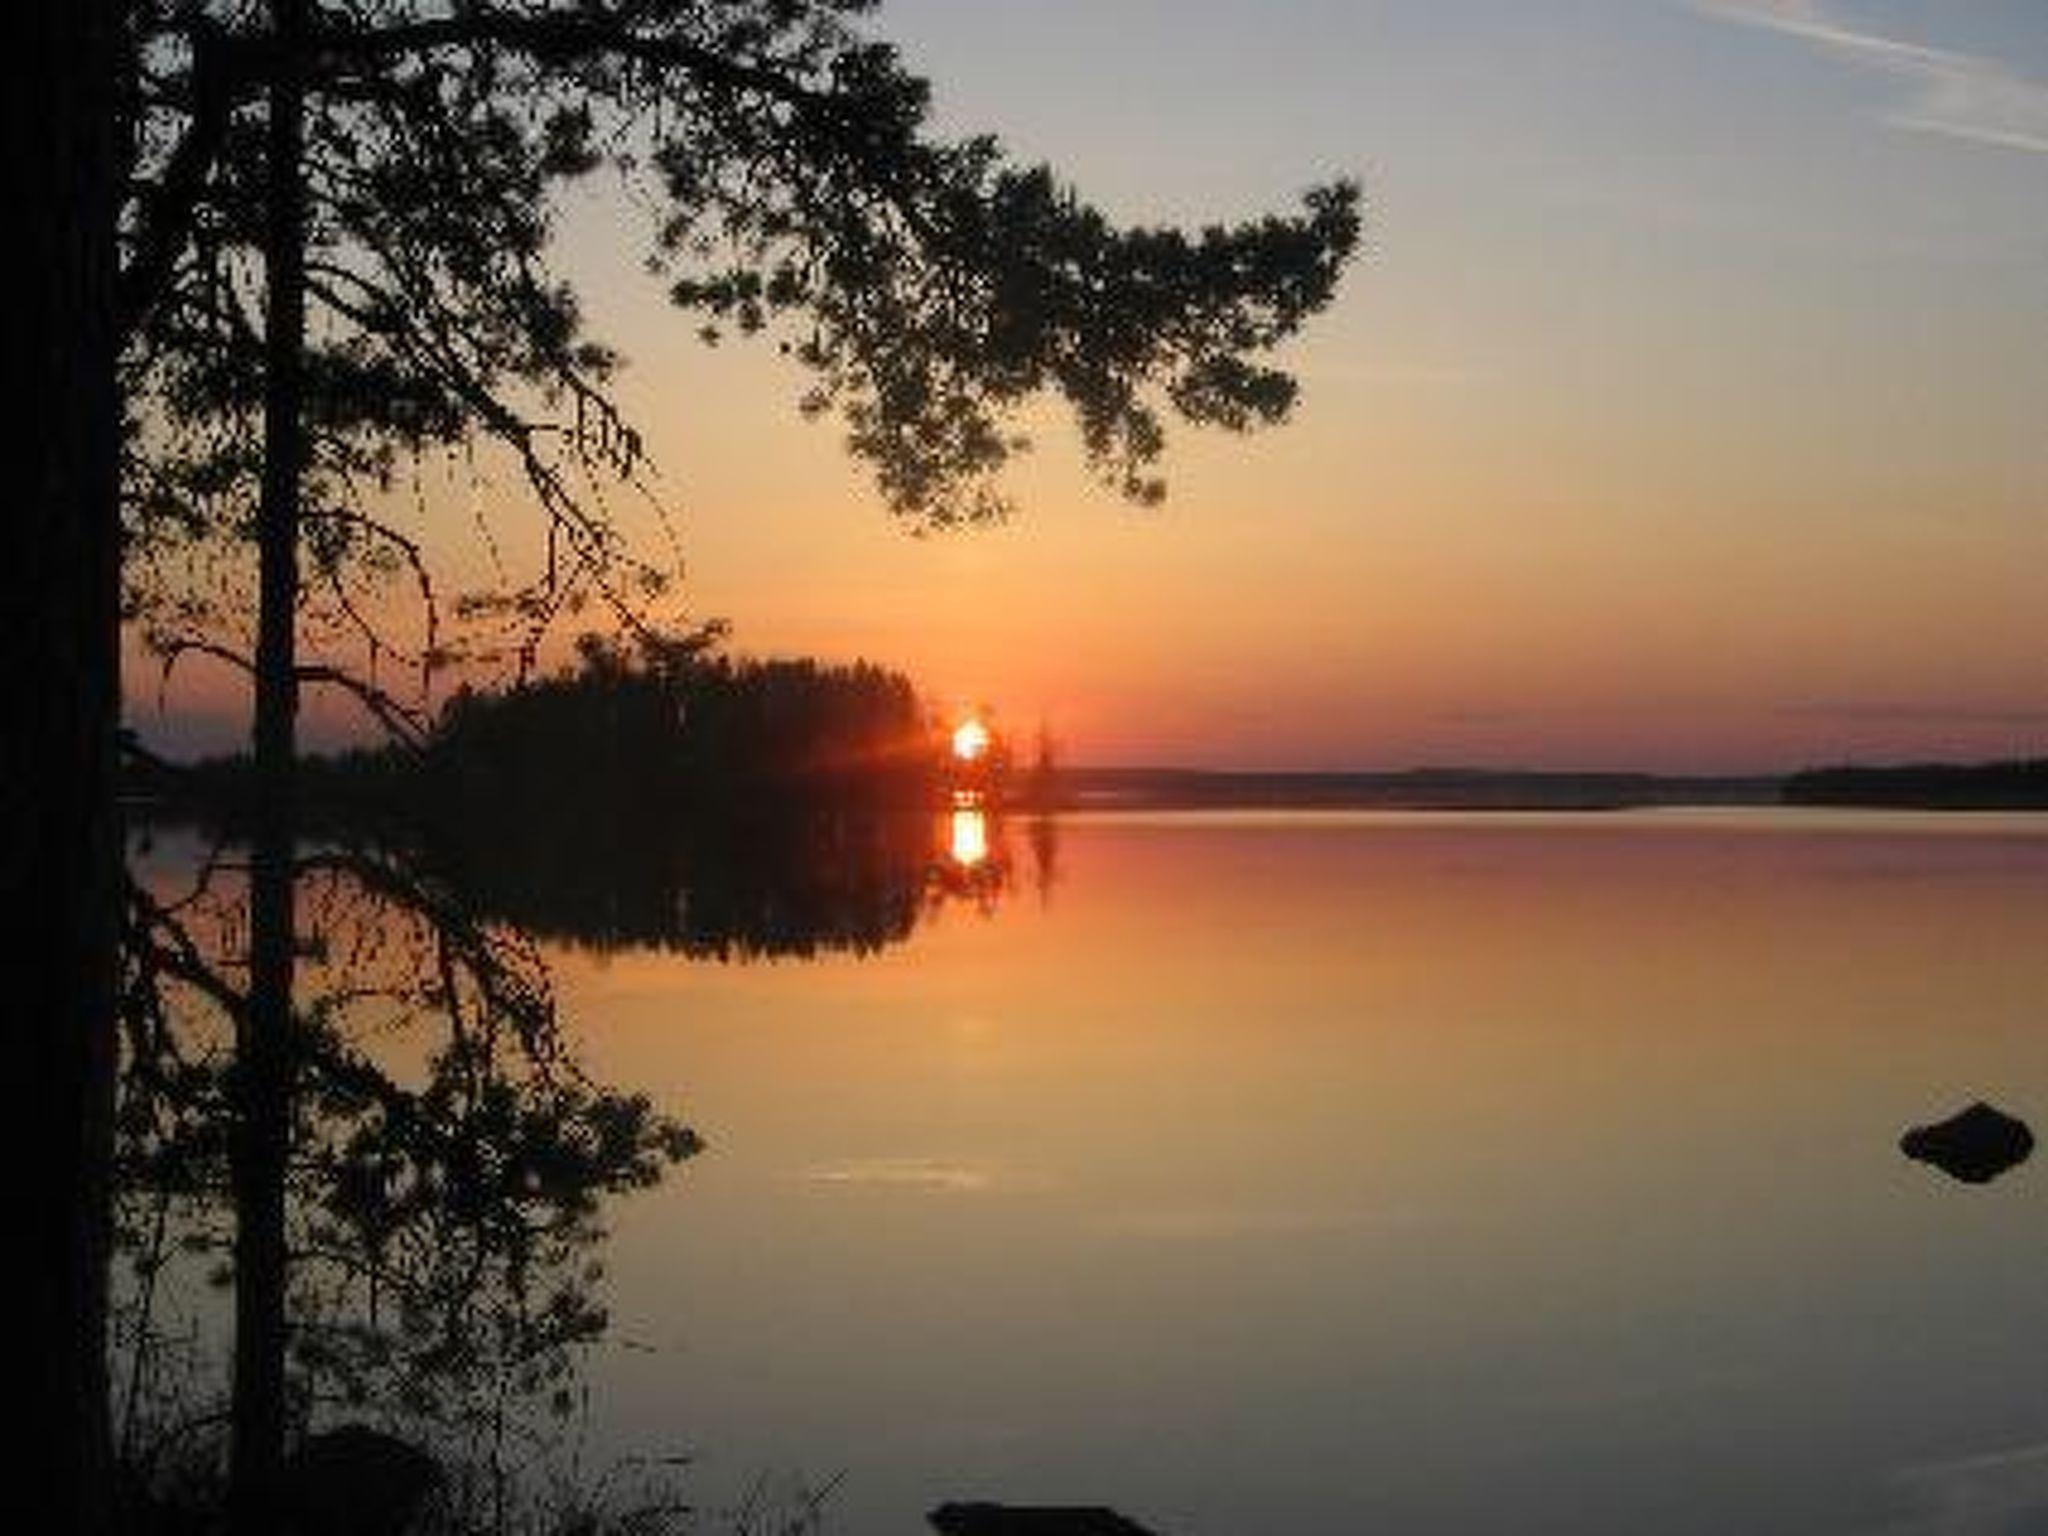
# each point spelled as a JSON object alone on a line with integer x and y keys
{"x": 644, "y": 728}
{"x": 2015, "y": 785}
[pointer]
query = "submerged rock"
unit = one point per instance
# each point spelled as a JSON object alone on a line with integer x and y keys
{"x": 1030, "y": 1520}
{"x": 1975, "y": 1145}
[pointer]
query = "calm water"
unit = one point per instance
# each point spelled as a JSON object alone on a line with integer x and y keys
{"x": 1329, "y": 1173}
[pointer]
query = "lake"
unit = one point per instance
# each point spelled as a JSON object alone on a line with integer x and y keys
{"x": 1303, "y": 1173}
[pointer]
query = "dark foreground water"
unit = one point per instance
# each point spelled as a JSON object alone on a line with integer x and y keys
{"x": 1332, "y": 1173}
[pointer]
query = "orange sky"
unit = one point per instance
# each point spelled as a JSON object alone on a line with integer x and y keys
{"x": 1685, "y": 411}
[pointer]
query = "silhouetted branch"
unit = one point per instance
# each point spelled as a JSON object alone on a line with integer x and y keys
{"x": 165, "y": 204}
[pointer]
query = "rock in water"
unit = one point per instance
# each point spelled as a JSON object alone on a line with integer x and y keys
{"x": 1027, "y": 1520}
{"x": 355, "y": 1481}
{"x": 1975, "y": 1145}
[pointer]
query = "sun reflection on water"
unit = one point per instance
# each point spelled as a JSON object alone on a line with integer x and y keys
{"x": 969, "y": 843}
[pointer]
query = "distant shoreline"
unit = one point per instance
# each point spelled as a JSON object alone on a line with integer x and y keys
{"x": 348, "y": 788}
{"x": 1420, "y": 789}
{"x": 2016, "y": 785}
{"x": 2007, "y": 786}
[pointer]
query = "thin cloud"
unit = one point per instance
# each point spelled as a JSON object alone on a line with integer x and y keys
{"x": 918, "y": 1173}
{"x": 1914, "y": 712}
{"x": 1958, "y": 95}
{"x": 1211, "y": 1223}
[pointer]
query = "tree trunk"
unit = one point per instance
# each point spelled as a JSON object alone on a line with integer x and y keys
{"x": 61, "y": 872}
{"x": 265, "y": 1047}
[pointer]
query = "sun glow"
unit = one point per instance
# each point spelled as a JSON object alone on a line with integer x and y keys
{"x": 970, "y": 740}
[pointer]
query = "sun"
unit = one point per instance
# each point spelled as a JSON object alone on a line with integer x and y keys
{"x": 970, "y": 740}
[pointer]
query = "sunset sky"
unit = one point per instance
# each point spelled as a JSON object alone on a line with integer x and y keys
{"x": 1685, "y": 411}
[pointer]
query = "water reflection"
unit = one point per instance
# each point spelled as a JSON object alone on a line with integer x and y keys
{"x": 449, "y": 1160}
{"x": 786, "y": 883}
{"x": 1542, "y": 1147}
{"x": 443, "y": 1190}
{"x": 970, "y": 838}
{"x": 1307, "y": 1174}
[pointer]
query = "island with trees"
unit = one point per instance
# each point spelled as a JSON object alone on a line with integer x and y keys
{"x": 2019, "y": 784}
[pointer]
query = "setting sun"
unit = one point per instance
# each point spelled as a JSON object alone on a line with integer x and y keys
{"x": 970, "y": 740}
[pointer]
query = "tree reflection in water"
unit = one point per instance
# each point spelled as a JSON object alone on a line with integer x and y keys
{"x": 449, "y": 1160}
{"x": 789, "y": 880}
{"x": 444, "y": 1184}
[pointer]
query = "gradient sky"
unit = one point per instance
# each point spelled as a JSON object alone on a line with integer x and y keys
{"x": 1684, "y": 412}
